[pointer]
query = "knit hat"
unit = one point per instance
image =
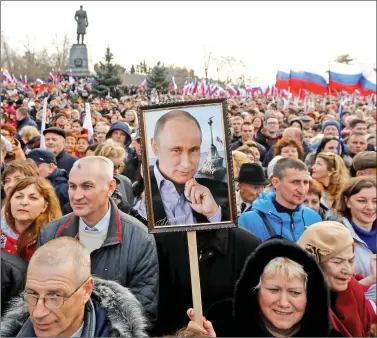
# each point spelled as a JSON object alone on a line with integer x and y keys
{"x": 325, "y": 240}
{"x": 330, "y": 123}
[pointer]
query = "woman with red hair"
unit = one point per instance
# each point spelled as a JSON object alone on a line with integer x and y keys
{"x": 289, "y": 148}
{"x": 82, "y": 145}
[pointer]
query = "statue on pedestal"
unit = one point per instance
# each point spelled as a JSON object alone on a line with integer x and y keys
{"x": 82, "y": 22}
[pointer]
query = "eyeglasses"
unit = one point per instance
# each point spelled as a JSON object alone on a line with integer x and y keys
{"x": 51, "y": 302}
{"x": 118, "y": 167}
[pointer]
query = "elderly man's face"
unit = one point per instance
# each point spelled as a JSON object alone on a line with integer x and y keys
{"x": 59, "y": 281}
{"x": 88, "y": 191}
{"x": 54, "y": 142}
{"x": 178, "y": 150}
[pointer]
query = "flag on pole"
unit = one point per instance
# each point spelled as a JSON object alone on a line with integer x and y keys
{"x": 173, "y": 86}
{"x": 43, "y": 124}
{"x": 218, "y": 139}
{"x": 88, "y": 123}
{"x": 340, "y": 112}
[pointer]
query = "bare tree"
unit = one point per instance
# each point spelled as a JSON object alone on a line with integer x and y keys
{"x": 62, "y": 48}
{"x": 207, "y": 61}
{"x": 6, "y": 54}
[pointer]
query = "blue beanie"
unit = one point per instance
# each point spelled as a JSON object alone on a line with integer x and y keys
{"x": 330, "y": 123}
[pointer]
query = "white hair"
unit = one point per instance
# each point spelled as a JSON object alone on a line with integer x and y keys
{"x": 283, "y": 266}
{"x": 106, "y": 166}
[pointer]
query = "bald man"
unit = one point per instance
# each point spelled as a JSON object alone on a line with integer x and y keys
{"x": 291, "y": 132}
{"x": 120, "y": 246}
{"x": 62, "y": 299}
{"x": 178, "y": 197}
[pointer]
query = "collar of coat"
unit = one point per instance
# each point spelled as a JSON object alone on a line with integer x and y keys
{"x": 114, "y": 235}
{"x": 123, "y": 310}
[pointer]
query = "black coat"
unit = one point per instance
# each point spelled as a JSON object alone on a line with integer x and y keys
{"x": 59, "y": 180}
{"x": 13, "y": 277}
{"x": 65, "y": 161}
{"x": 222, "y": 254}
{"x": 218, "y": 189}
{"x": 247, "y": 322}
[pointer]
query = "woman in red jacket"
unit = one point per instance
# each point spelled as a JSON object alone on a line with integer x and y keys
{"x": 351, "y": 313}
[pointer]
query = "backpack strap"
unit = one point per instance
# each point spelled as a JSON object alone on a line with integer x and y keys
{"x": 267, "y": 223}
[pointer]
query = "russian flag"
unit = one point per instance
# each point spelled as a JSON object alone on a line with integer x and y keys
{"x": 312, "y": 81}
{"x": 368, "y": 82}
{"x": 6, "y": 77}
{"x": 282, "y": 80}
{"x": 173, "y": 86}
{"x": 344, "y": 77}
{"x": 88, "y": 123}
{"x": 195, "y": 87}
{"x": 231, "y": 91}
{"x": 203, "y": 88}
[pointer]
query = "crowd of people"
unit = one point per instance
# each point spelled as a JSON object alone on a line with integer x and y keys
{"x": 77, "y": 257}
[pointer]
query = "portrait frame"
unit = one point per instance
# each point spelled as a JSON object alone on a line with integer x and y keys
{"x": 146, "y": 124}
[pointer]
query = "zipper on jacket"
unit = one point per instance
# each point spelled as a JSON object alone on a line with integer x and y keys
{"x": 293, "y": 228}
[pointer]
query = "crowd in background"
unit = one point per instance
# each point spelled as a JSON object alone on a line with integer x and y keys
{"x": 302, "y": 261}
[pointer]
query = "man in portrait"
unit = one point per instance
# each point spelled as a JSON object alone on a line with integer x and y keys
{"x": 178, "y": 198}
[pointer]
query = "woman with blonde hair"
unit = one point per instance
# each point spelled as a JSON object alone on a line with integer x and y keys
{"x": 331, "y": 172}
{"x": 29, "y": 207}
{"x": 238, "y": 159}
{"x": 116, "y": 153}
{"x": 131, "y": 118}
{"x": 29, "y": 136}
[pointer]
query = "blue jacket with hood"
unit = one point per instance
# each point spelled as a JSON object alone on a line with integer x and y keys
{"x": 284, "y": 225}
{"x": 132, "y": 161}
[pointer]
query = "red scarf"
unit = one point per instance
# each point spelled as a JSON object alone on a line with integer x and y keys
{"x": 354, "y": 314}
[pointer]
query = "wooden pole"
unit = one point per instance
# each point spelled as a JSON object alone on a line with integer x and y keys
{"x": 195, "y": 278}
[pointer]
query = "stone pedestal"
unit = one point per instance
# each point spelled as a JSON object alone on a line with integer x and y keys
{"x": 78, "y": 60}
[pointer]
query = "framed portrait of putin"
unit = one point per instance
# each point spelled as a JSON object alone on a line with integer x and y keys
{"x": 187, "y": 166}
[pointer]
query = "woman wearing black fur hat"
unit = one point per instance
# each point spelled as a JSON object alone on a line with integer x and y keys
{"x": 281, "y": 293}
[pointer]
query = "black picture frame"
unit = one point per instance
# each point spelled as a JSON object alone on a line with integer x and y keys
{"x": 150, "y": 200}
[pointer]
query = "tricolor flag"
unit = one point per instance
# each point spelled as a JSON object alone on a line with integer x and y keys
{"x": 6, "y": 77}
{"x": 88, "y": 123}
{"x": 173, "y": 86}
{"x": 218, "y": 139}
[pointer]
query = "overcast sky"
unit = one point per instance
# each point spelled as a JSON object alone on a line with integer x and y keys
{"x": 266, "y": 35}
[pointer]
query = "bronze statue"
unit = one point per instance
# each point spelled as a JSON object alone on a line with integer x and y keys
{"x": 82, "y": 22}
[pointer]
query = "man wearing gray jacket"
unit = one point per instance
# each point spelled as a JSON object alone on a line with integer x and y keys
{"x": 120, "y": 247}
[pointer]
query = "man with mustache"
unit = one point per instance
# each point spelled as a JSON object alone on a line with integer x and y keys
{"x": 178, "y": 197}
{"x": 282, "y": 213}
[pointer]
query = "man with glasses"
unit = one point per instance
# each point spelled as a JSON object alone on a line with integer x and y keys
{"x": 61, "y": 298}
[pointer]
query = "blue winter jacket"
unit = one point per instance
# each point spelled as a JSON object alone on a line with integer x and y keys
{"x": 284, "y": 225}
